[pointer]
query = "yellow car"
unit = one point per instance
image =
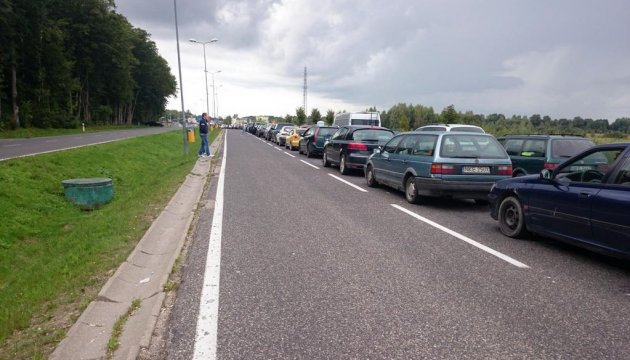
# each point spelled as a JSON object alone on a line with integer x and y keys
{"x": 293, "y": 139}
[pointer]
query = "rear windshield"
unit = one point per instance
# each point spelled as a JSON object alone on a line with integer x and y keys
{"x": 566, "y": 148}
{"x": 326, "y": 131}
{"x": 471, "y": 146}
{"x": 380, "y": 135}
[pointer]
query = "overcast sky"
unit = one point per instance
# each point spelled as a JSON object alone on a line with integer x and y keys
{"x": 562, "y": 58}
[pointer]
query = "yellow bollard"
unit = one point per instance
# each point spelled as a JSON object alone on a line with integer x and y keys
{"x": 191, "y": 135}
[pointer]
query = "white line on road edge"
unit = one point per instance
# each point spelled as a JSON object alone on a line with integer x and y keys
{"x": 311, "y": 165}
{"x": 277, "y": 148}
{"x": 207, "y": 322}
{"x": 348, "y": 183}
{"x": 463, "y": 238}
{"x": 289, "y": 154}
{"x": 269, "y": 144}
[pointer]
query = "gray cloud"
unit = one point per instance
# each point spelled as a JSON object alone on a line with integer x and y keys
{"x": 562, "y": 57}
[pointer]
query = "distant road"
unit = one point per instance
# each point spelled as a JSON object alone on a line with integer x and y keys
{"x": 15, "y": 148}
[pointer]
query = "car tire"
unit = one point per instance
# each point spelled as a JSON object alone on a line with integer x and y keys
{"x": 511, "y": 218}
{"x": 343, "y": 168}
{"x": 369, "y": 177}
{"x": 325, "y": 159}
{"x": 300, "y": 149}
{"x": 411, "y": 193}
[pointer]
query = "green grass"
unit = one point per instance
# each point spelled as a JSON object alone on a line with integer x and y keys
{"x": 36, "y": 132}
{"x": 114, "y": 340}
{"x": 53, "y": 256}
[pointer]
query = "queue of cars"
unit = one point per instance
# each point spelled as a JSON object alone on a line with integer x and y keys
{"x": 562, "y": 187}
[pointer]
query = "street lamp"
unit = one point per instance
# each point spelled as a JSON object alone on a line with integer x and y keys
{"x": 205, "y": 70}
{"x": 214, "y": 94}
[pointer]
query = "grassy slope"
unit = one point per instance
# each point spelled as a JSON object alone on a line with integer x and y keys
{"x": 50, "y": 251}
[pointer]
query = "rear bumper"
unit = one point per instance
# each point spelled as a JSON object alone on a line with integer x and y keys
{"x": 356, "y": 161}
{"x": 455, "y": 189}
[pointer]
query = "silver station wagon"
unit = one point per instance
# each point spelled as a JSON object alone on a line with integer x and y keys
{"x": 452, "y": 164}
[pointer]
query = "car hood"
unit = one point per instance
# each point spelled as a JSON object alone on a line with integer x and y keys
{"x": 527, "y": 179}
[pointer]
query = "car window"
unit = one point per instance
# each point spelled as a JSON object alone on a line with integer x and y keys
{"x": 590, "y": 168}
{"x": 566, "y": 148}
{"x": 425, "y": 145}
{"x": 374, "y": 135}
{"x": 326, "y": 131}
{"x": 340, "y": 134}
{"x": 390, "y": 147}
{"x": 471, "y": 146}
{"x": 623, "y": 178}
{"x": 468, "y": 129}
{"x": 407, "y": 145}
{"x": 301, "y": 131}
{"x": 513, "y": 146}
{"x": 534, "y": 148}
{"x": 309, "y": 132}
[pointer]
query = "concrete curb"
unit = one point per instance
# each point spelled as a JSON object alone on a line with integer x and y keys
{"x": 142, "y": 276}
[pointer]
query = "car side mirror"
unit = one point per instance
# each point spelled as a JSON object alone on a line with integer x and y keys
{"x": 546, "y": 174}
{"x": 378, "y": 150}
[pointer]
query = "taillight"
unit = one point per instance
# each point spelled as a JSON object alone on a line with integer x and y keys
{"x": 550, "y": 165}
{"x": 442, "y": 169}
{"x": 357, "y": 146}
{"x": 505, "y": 170}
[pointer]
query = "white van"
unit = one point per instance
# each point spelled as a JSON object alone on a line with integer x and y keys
{"x": 358, "y": 118}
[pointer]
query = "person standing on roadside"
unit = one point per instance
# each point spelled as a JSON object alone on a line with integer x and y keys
{"x": 204, "y": 149}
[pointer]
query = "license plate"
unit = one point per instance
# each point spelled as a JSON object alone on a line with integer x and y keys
{"x": 476, "y": 170}
{"x": 580, "y": 168}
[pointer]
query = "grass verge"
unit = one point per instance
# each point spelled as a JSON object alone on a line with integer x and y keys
{"x": 54, "y": 258}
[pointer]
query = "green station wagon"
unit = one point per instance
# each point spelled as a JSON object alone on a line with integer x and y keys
{"x": 532, "y": 153}
{"x": 440, "y": 164}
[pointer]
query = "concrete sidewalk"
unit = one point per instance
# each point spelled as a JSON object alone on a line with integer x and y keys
{"x": 142, "y": 276}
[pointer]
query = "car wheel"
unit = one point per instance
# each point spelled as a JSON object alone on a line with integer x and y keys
{"x": 369, "y": 177}
{"x": 343, "y": 168}
{"x": 300, "y": 149}
{"x": 411, "y": 193}
{"x": 511, "y": 218}
{"x": 325, "y": 159}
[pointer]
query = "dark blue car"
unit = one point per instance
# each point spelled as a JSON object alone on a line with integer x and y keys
{"x": 584, "y": 201}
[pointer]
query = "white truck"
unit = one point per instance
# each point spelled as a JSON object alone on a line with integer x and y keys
{"x": 358, "y": 118}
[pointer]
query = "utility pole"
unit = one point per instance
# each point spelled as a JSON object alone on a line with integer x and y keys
{"x": 181, "y": 84}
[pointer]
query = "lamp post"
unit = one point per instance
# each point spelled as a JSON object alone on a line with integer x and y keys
{"x": 214, "y": 113}
{"x": 181, "y": 84}
{"x": 205, "y": 69}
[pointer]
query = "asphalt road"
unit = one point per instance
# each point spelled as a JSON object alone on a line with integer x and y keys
{"x": 14, "y": 148}
{"x": 314, "y": 268}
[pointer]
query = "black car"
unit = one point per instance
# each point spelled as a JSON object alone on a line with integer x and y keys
{"x": 312, "y": 142}
{"x": 351, "y": 145}
{"x": 584, "y": 201}
{"x": 275, "y": 128}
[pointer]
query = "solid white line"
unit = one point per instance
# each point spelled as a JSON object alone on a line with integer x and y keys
{"x": 277, "y": 148}
{"x": 311, "y": 165}
{"x": 269, "y": 144}
{"x": 464, "y": 238}
{"x": 207, "y": 322}
{"x": 56, "y": 150}
{"x": 348, "y": 183}
{"x": 289, "y": 154}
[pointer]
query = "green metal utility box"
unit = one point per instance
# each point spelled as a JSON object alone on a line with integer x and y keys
{"x": 89, "y": 194}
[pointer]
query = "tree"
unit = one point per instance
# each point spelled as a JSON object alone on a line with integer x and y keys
{"x": 449, "y": 115}
{"x": 300, "y": 116}
{"x": 330, "y": 117}
{"x": 315, "y": 116}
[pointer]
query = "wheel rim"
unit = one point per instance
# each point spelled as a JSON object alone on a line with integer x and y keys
{"x": 342, "y": 164}
{"x": 411, "y": 189}
{"x": 370, "y": 176}
{"x": 325, "y": 159}
{"x": 511, "y": 217}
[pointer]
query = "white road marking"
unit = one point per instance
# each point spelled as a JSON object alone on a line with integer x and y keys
{"x": 269, "y": 144}
{"x": 277, "y": 148}
{"x": 348, "y": 183}
{"x": 55, "y": 150}
{"x": 207, "y": 322}
{"x": 463, "y": 238}
{"x": 289, "y": 154}
{"x": 311, "y": 165}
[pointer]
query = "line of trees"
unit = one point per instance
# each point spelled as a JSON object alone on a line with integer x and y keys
{"x": 407, "y": 117}
{"x": 63, "y": 62}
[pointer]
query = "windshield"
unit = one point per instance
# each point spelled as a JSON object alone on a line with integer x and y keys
{"x": 471, "y": 146}
{"x": 566, "y": 148}
{"x": 380, "y": 135}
